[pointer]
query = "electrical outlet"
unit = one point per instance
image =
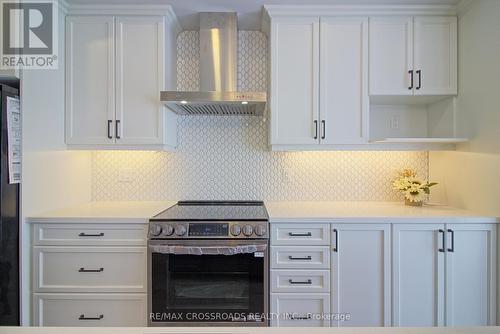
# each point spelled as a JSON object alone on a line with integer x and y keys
{"x": 394, "y": 123}
{"x": 125, "y": 174}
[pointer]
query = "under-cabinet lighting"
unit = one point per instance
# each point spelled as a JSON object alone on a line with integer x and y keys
{"x": 184, "y": 102}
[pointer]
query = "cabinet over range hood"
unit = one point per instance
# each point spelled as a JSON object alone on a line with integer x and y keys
{"x": 218, "y": 74}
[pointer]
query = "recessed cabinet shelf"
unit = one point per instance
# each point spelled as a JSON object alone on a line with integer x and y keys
{"x": 421, "y": 140}
{"x": 415, "y": 121}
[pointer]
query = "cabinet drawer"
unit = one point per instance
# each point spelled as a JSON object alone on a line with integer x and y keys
{"x": 300, "y": 310}
{"x": 296, "y": 234}
{"x": 90, "y": 234}
{"x": 300, "y": 281}
{"x": 302, "y": 257}
{"x": 89, "y": 269}
{"x": 74, "y": 310}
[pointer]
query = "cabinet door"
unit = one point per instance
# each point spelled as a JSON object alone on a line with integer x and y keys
{"x": 470, "y": 275}
{"x": 418, "y": 275}
{"x": 294, "y": 81}
{"x": 90, "y": 82}
{"x": 361, "y": 274}
{"x": 344, "y": 80}
{"x": 435, "y": 53}
{"x": 140, "y": 78}
{"x": 391, "y": 55}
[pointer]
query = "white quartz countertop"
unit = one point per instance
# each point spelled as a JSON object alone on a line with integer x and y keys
{"x": 369, "y": 212}
{"x": 279, "y": 212}
{"x": 247, "y": 330}
{"x": 109, "y": 212}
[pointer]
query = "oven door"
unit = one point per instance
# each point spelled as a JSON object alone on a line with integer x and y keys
{"x": 208, "y": 282}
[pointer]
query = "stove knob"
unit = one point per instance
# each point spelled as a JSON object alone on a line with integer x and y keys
{"x": 235, "y": 230}
{"x": 155, "y": 230}
{"x": 168, "y": 230}
{"x": 260, "y": 230}
{"x": 180, "y": 230}
{"x": 247, "y": 230}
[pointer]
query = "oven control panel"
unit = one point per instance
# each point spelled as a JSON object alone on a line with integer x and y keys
{"x": 208, "y": 230}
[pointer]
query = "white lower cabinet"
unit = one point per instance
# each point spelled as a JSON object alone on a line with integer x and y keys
{"x": 300, "y": 310}
{"x": 84, "y": 269}
{"x": 88, "y": 274}
{"x": 89, "y": 310}
{"x": 444, "y": 274}
{"x": 470, "y": 275}
{"x": 416, "y": 274}
{"x": 361, "y": 270}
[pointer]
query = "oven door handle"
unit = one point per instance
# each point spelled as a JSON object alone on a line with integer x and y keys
{"x": 208, "y": 250}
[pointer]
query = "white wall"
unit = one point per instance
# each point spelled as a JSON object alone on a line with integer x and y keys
{"x": 52, "y": 177}
{"x": 470, "y": 177}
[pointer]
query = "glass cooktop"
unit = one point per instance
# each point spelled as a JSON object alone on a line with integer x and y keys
{"x": 214, "y": 211}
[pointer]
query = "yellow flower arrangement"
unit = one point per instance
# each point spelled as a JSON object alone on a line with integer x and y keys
{"x": 413, "y": 188}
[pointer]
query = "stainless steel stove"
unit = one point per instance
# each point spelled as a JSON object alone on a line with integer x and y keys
{"x": 211, "y": 220}
{"x": 208, "y": 265}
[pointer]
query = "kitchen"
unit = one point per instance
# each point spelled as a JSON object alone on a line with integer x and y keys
{"x": 252, "y": 165}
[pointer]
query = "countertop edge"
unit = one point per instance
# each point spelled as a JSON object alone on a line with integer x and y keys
{"x": 385, "y": 220}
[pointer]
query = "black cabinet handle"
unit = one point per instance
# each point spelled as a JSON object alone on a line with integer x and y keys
{"x": 308, "y": 282}
{"x": 91, "y": 235}
{"x": 411, "y": 79}
{"x": 117, "y": 127}
{"x": 307, "y": 234}
{"x": 83, "y": 270}
{"x": 307, "y": 258}
{"x": 452, "y": 249}
{"x": 109, "y": 129}
{"x": 83, "y": 317}
{"x": 336, "y": 247}
{"x": 419, "y": 72}
{"x": 315, "y": 129}
{"x": 442, "y": 241}
{"x": 323, "y": 122}
{"x": 303, "y": 317}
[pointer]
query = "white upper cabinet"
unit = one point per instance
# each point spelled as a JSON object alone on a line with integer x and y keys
{"x": 294, "y": 81}
{"x": 413, "y": 55}
{"x": 470, "y": 275}
{"x": 344, "y": 80}
{"x": 139, "y": 79}
{"x": 418, "y": 275}
{"x": 435, "y": 55}
{"x": 391, "y": 55}
{"x": 361, "y": 274}
{"x": 115, "y": 70}
{"x": 90, "y": 81}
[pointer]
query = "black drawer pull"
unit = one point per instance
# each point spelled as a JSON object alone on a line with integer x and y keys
{"x": 303, "y": 317}
{"x": 91, "y": 235}
{"x": 307, "y": 258}
{"x": 83, "y": 317}
{"x": 83, "y": 270}
{"x": 452, "y": 249}
{"x": 442, "y": 241}
{"x": 307, "y": 234}
{"x": 308, "y": 282}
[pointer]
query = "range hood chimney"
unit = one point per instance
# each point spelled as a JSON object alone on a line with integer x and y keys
{"x": 218, "y": 74}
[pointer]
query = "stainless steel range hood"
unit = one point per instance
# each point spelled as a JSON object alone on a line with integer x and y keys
{"x": 218, "y": 74}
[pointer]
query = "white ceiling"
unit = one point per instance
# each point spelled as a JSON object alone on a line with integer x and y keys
{"x": 249, "y": 11}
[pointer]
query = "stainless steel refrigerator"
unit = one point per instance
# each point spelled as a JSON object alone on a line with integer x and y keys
{"x": 9, "y": 224}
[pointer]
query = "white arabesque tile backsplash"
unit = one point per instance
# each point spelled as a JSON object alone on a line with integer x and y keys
{"x": 228, "y": 157}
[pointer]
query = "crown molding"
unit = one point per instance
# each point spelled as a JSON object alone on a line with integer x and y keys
{"x": 108, "y": 9}
{"x": 275, "y": 11}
